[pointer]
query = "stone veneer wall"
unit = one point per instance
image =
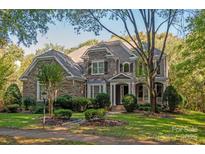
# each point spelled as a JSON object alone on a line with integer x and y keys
{"x": 96, "y": 55}
{"x": 66, "y": 86}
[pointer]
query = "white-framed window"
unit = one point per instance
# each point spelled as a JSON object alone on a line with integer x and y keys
{"x": 98, "y": 67}
{"x": 94, "y": 89}
{"x": 126, "y": 67}
{"x": 40, "y": 89}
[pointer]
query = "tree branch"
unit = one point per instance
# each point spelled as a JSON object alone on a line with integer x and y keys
{"x": 115, "y": 34}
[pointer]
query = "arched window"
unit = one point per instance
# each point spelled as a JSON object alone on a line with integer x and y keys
{"x": 126, "y": 67}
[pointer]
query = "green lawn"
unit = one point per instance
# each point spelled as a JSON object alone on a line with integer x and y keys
{"x": 186, "y": 128}
{"x": 19, "y": 120}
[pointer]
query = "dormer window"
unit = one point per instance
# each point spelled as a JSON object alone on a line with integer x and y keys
{"x": 98, "y": 67}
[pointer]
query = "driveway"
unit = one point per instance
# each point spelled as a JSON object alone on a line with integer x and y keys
{"x": 93, "y": 139}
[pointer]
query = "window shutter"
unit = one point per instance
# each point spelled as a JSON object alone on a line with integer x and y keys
{"x": 131, "y": 67}
{"x": 121, "y": 68}
{"x": 106, "y": 67}
{"x": 89, "y": 68}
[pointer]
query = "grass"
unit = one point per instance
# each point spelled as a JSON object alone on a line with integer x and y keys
{"x": 30, "y": 141}
{"x": 19, "y": 120}
{"x": 186, "y": 128}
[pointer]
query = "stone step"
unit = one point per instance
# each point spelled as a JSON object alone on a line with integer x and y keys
{"x": 118, "y": 108}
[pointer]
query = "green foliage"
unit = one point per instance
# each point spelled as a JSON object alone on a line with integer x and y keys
{"x": 37, "y": 108}
{"x": 24, "y": 24}
{"x": 172, "y": 97}
{"x": 102, "y": 100}
{"x": 92, "y": 103}
{"x": 12, "y": 108}
{"x": 147, "y": 107}
{"x": 129, "y": 102}
{"x": 188, "y": 76}
{"x": 80, "y": 104}
{"x": 92, "y": 114}
{"x": 140, "y": 68}
{"x": 64, "y": 102}
{"x": 49, "y": 46}
{"x": 28, "y": 102}
{"x": 86, "y": 43}
{"x": 12, "y": 95}
{"x": 50, "y": 75}
{"x": 63, "y": 113}
{"x": 9, "y": 55}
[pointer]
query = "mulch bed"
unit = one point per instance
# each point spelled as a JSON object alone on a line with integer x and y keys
{"x": 155, "y": 115}
{"x": 103, "y": 123}
{"x": 58, "y": 121}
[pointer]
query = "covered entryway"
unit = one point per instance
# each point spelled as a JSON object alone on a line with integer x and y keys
{"x": 120, "y": 85}
{"x": 121, "y": 91}
{"x": 142, "y": 92}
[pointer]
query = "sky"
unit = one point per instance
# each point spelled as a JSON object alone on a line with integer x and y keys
{"x": 63, "y": 33}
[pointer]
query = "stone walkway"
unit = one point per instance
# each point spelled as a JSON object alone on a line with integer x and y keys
{"x": 93, "y": 139}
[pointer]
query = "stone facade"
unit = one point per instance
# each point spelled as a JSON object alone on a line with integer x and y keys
{"x": 79, "y": 80}
{"x": 66, "y": 86}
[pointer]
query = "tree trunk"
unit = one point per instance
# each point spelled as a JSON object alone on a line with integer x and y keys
{"x": 152, "y": 94}
{"x": 50, "y": 100}
{"x": 151, "y": 86}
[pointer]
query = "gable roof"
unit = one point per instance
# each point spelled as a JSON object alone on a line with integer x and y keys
{"x": 157, "y": 52}
{"x": 121, "y": 76}
{"x": 66, "y": 62}
{"x": 115, "y": 48}
{"x": 77, "y": 54}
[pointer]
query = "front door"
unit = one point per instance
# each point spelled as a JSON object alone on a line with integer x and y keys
{"x": 123, "y": 92}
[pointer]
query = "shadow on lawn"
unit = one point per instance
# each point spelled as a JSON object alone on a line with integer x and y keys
{"x": 181, "y": 129}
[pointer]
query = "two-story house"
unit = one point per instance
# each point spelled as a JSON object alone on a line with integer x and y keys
{"x": 108, "y": 67}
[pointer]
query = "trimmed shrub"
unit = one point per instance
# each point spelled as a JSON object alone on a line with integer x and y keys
{"x": 172, "y": 97}
{"x": 129, "y": 102}
{"x": 102, "y": 100}
{"x": 28, "y": 101}
{"x": 92, "y": 114}
{"x": 12, "y": 95}
{"x": 12, "y": 108}
{"x": 80, "y": 104}
{"x": 147, "y": 107}
{"x": 63, "y": 113}
{"x": 64, "y": 102}
{"x": 38, "y": 108}
{"x": 92, "y": 103}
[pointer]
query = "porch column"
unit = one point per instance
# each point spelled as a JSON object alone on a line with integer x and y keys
{"x": 129, "y": 88}
{"x": 114, "y": 95}
{"x": 111, "y": 93}
{"x": 88, "y": 91}
{"x": 133, "y": 88}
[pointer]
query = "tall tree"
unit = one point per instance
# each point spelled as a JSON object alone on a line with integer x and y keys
{"x": 50, "y": 75}
{"x": 190, "y": 68}
{"x": 8, "y": 56}
{"x": 24, "y": 25}
{"x": 49, "y": 46}
{"x": 131, "y": 21}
